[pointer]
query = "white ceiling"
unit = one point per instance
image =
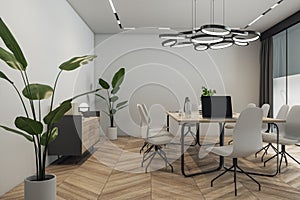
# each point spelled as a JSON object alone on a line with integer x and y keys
{"x": 177, "y": 14}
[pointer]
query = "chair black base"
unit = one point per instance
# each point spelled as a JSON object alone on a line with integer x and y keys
{"x": 235, "y": 166}
{"x": 283, "y": 154}
{"x": 265, "y": 148}
{"x": 158, "y": 151}
{"x": 144, "y": 145}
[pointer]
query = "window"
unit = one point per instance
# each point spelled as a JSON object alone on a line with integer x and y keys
{"x": 286, "y": 67}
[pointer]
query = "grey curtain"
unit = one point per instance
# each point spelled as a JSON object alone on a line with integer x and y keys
{"x": 266, "y": 73}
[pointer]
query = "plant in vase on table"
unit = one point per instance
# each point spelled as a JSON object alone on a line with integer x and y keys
{"x": 206, "y": 92}
{"x": 110, "y": 100}
{"x": 36, "y": 128}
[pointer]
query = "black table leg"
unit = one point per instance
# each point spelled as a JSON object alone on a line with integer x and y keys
{"x": 182, "y": 153}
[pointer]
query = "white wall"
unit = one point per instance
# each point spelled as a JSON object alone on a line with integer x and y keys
{"x": 49, "y": 33}
{"x": 162, "y": 77}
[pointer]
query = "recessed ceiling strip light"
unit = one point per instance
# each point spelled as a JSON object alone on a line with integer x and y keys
{"x": 129, "y": 28}
{"x": 263, "y": 14}
{"x": 115, "y": 13}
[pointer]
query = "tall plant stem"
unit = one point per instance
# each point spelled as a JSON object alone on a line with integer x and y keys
{"x": 54, "y": 88}
{"x": 25, "y": 109}
{"x": 90, "y": 92}
{"x": 111, "y": 116}
{"x": 45, "y": 150}
{"x": 31, "y": 102}
{"x": 40, "y": 112}
{"x": 36, "y": 159}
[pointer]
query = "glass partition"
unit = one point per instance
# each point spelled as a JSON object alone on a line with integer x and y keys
{"x": 286, "y": 68}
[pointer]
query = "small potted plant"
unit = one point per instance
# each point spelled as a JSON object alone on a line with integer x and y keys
{"x": 111, "y": 99}
{"x": 207, "y": 92}
{"x": 35, "y": 127}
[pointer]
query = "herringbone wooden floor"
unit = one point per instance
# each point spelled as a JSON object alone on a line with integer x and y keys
{"x": 114, "y": 172}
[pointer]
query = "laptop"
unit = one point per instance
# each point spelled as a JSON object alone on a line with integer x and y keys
{"x": 216, "y": 107}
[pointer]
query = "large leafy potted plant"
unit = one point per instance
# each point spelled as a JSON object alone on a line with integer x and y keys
{"x": 38, "y": 129}
{"x": 111, "y": 99}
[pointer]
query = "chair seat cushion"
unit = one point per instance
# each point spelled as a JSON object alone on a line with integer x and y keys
{"x": 272, "y": 138}
{"x": 222, "y": 151}
{"x": 163, "y": 138}
{"x": 158, "y": 132}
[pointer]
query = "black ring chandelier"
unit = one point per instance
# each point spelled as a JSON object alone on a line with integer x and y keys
{"x": 210, "y": 36}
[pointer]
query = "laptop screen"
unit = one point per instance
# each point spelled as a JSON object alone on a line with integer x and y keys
{"x": 216, "y": 107}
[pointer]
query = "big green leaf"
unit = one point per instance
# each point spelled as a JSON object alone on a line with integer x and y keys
{"x": 76, "y": 62}
{"x": 52, "y": 136}
{"x": 115, "y": 90}
{"x": 28, "y": 137}
{"x": 55, "y": 115}
{"x": 12, "y": 44}
{"x": 121, "y": 104}
{"x": 118, "y": 78}
{"x": 29, "y": 125}
{"x": 104, "y": 84}
{"x": 10, "y": 60}
{"x": 114, "y": 99}
{"x": 2, "y": 75}
{"x": 102, "y": 97}
{"x": 37, "y": 91}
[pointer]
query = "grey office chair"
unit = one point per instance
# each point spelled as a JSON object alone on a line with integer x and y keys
{"x": 267, "y": 136}
{"x": 265, "y": 107}
{"x": 152, "y": 131}
{"x": 157, "y": 140}
{"x": 231, "y": 126}
{"x": 247, "y": 140}
{"x": 291, "y": 136}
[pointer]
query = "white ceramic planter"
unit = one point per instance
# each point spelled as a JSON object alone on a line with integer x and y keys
{"x": 112, "y": 133}
{"x": 40, "y": 190}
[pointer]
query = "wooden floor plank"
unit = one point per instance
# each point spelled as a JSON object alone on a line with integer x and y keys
{"x": 114, "y": 172}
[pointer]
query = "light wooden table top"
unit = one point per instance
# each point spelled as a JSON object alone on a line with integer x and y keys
{"x": 197, "y": 118}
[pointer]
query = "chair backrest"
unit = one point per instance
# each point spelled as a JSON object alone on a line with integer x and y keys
{"x": 251, "y": 105}
{"x": 282, "y": 114}
{"x": 265, "y": 107}
{"x": 247, "y": 137}
{"x": 144, "y": 123}
{"x": 292, "y": 126}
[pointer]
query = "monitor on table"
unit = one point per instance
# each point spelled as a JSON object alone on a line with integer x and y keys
{"x": 216, "y": 107}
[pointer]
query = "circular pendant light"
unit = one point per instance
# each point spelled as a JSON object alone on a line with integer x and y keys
{"x": 252, "y": 36}
{"x": 200, "y": 47}
{"x": 169, "y": 43}
{"x": 221, "y": 45}
{"x": 206, "y": 39}
{"x": 215, "y": 29}
{"x": 183, "y": 44}
{"x": 243, "y": 44}
{"x": 239, "y": 32}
